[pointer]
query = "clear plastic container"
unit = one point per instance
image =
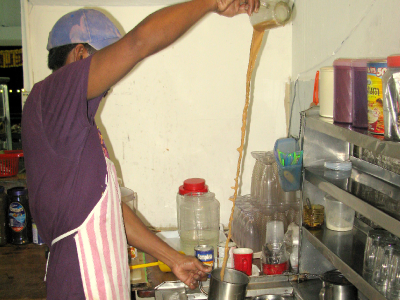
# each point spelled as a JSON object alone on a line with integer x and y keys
{"x": 272, "y": 13}
{"x": 391, "y": 98}
{"x": 339, "y": 217}
{"x": 191, "y": 185}
{"x": 199, "y": 221}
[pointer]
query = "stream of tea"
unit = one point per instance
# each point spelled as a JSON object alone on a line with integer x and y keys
{"x": 256, "y": 41}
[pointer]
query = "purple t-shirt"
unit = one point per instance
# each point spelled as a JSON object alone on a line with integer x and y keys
{"x": 66, "y": 168}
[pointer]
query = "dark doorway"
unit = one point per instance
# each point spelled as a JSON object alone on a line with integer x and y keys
{"x": 11, "y": 67}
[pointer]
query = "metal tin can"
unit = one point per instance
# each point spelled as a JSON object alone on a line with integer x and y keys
{"x": 221, "y": 254}
{"x": 375, "y": 70}
{"x": 205, "y": 254}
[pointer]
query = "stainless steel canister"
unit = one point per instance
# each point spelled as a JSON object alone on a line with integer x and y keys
{"x": 336, "y": 287}
{"x": 232, "y": 287}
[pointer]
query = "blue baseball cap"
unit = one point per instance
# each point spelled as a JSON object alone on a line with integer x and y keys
{"x": 83, "y": 26}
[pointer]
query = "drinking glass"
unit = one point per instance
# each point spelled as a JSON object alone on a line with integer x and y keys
{"x": 382, "y": 263}
{"x": 371, "y": 246}
{"x": 393, "y": 287}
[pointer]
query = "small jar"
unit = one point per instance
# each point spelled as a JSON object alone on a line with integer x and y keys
{"x": 313, "y": 217}
{"x": 19, "y": 216}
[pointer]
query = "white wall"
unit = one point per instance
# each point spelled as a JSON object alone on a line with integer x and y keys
{"x": 178, "y": 114}
{"x": 10, "y": 23}
{"x": 326, "y": 30}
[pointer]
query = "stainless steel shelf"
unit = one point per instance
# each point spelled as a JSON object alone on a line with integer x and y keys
{"x": 359, "y": 137}
{"x": 344, "y": 251}
{"x": 347, "y": 190}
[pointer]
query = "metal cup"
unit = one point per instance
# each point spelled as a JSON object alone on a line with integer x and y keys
{"x": 232, "y": 287}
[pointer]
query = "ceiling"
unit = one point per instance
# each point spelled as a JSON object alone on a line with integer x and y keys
{"x": 103, "y": 2}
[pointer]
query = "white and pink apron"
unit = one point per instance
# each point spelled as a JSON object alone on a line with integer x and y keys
{"x": 102, "y": 246}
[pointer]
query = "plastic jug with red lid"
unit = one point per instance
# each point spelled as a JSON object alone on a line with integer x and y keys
{"x": 191, "y": 185}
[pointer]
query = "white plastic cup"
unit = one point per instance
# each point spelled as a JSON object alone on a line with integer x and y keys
{"x": 339, "y": 217}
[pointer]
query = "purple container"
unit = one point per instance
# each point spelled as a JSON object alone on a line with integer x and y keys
{"x": 359, "y": 93}
{"x": 342, "y": 91}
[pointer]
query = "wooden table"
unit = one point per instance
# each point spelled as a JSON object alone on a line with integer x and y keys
{"x": 155, "y": 277}
{"x": 22, "y": 270}
{"x": 23, "y": 267}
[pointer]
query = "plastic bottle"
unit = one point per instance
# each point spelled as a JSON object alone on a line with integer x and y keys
{"x": 19, "y": 216}
{"x": 391, "y": 98}
{"x": 191, "y": 185}
{"x": 359, "y": 93}
{"x": 199, "y": 221}
{"x": 274, "y": 257}
{"x": 3, "y": 218}
{"x": 342, "y": 91}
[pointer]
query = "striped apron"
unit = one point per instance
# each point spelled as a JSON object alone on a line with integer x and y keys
{"x": 102, "y": 246}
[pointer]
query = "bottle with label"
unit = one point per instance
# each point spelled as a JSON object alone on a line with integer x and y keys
{"x": 19, "y": 217}
{"x": 3, "y": 218}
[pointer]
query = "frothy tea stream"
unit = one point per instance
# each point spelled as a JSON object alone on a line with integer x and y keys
{"x": 258, "y": 34}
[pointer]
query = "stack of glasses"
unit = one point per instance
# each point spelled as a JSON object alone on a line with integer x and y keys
{"x": 267, "y": 202}
{"x": 382, "y": 262}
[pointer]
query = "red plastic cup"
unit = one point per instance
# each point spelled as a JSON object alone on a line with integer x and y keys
{"x": 243, "y": 260}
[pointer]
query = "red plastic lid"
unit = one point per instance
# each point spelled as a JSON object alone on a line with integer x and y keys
{"x": 196, "y": 185}
{"x": 393, "y": 61}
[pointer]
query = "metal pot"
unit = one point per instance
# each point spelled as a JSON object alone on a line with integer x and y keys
{"x": 233, "y": 287}
{"x": 336, "y": 287}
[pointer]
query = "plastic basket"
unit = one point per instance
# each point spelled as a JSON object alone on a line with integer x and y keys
{"x": 289, "y": 175}
{"x": 9, "y": 162}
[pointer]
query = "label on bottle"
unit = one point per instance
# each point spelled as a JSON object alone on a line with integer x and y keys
{"x": 205, "y": 254}
{"x": 375, "y": 96}
{"x": 17, "y": 216}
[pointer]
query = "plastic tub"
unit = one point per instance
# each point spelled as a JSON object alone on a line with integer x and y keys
{"x": 339, "y": 217}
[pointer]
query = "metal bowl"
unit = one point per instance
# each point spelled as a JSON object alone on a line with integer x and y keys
{"x": 273, "y": 297}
